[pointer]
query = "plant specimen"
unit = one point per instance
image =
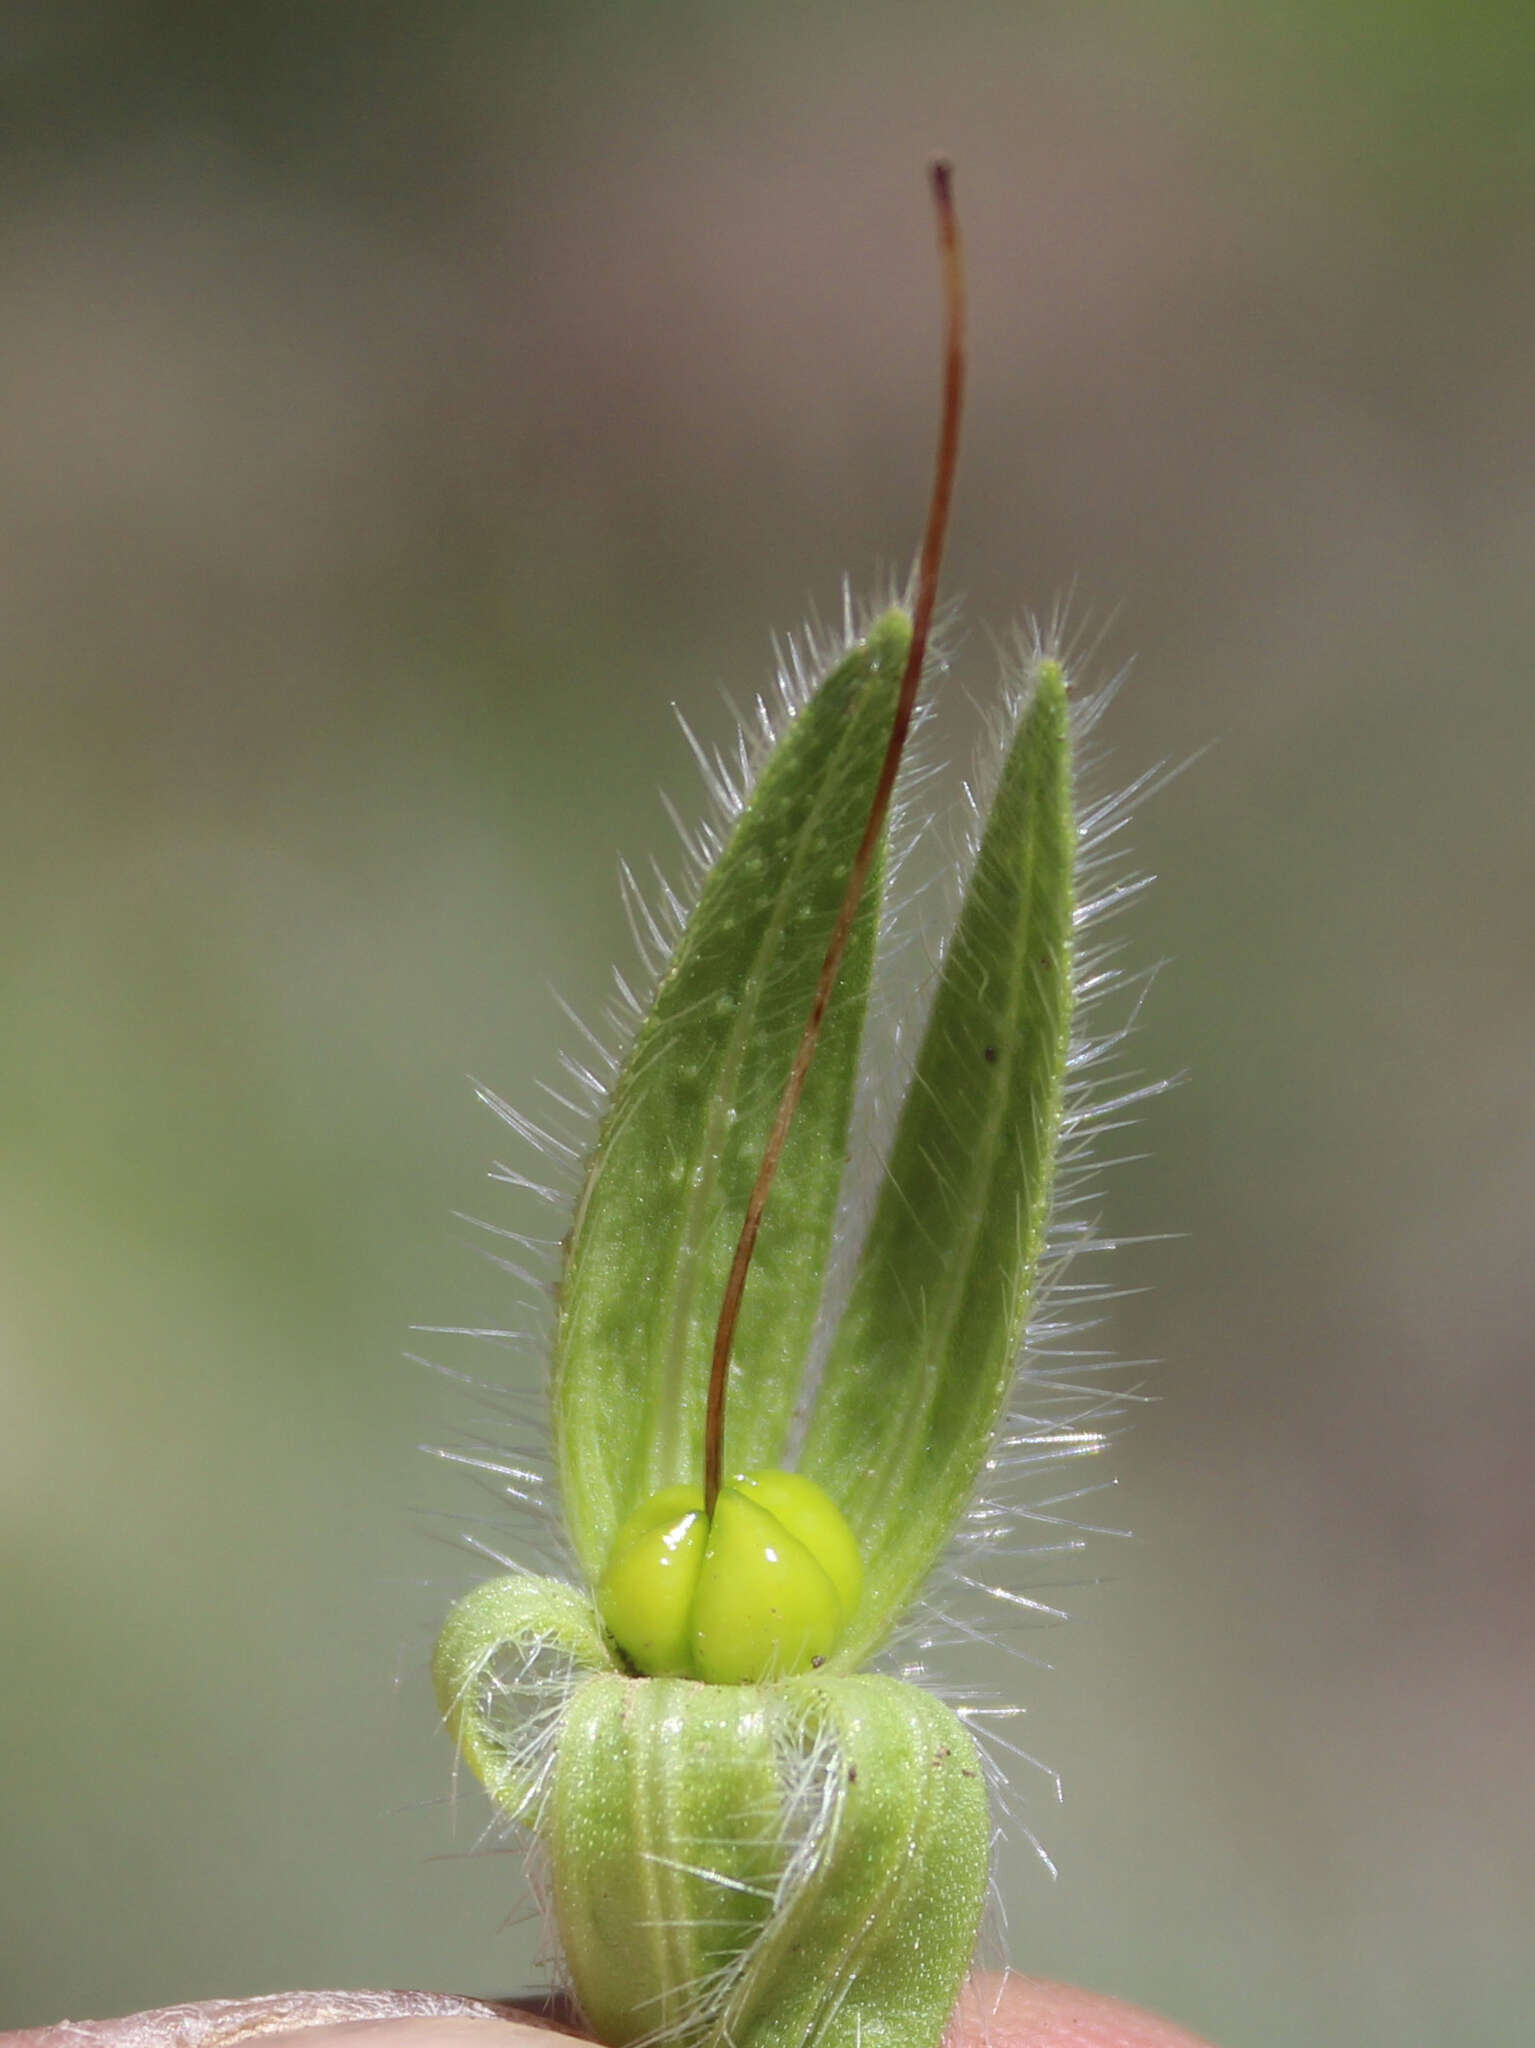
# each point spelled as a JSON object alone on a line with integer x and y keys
{"x": 748, "y": 1836}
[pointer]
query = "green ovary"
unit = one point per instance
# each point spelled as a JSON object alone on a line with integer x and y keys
{"x": 763, "y": 1591}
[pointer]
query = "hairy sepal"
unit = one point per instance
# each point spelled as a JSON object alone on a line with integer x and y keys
{"x": 919, "y": 1371}
{"x": 508, "y": 1657}
{"x": 766, "y": 1866}
{"x": 665, "y": 1188}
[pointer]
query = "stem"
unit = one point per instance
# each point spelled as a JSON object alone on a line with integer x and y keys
{"x": 941, "y": 178}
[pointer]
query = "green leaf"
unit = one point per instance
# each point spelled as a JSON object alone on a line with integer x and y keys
{"x": 667, "y": 1185}
{"x": 922, "y": 1360}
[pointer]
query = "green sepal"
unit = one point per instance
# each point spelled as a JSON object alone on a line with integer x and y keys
{"x": 766, "y": 1866}
{"x": 667, "y": 1185}
{"x": 925, "y": 1352}
{"x": 503, "y": 1667}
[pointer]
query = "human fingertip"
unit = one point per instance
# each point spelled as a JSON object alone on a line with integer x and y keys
{"x": 1013, "y": 2011}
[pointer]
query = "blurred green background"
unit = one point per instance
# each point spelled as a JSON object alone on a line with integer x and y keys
{"x": 400, "y": 405}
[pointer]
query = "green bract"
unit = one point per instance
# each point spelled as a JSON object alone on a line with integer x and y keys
{"x": 751, "y": 1841}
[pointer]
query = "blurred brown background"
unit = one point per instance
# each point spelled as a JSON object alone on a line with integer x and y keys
{"x": 399, "y": 406}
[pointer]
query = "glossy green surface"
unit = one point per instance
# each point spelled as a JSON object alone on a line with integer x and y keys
{"x": 764, "y": 1608}
{"x": 647, "y": 1593}
{"x": 762, "y": 1592}
{"x": 403, "y": 405}
{"x": 744, "y": 1851}
{"x": 810, "y": 1514}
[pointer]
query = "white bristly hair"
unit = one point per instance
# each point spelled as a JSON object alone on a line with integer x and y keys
{"x": 1031, "y": 1513}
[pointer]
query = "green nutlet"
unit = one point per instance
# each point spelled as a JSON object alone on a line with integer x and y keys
{"x": 762, "y": 1590}
{"x": 755, "y": 1841}
{"x": 751, "y": 1840}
